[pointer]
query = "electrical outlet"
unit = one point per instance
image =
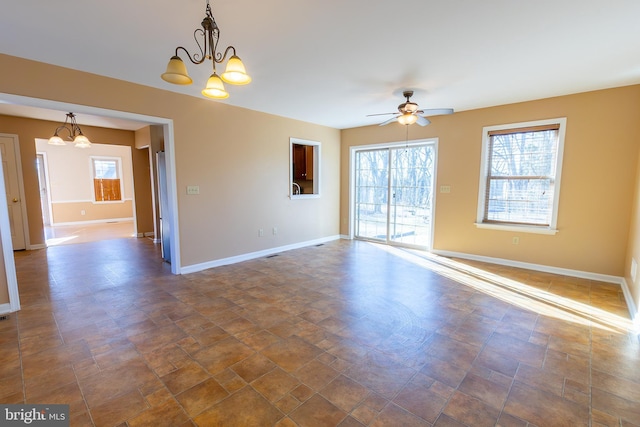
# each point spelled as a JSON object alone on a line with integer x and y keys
{"x": 275, "y": 231}
{"x": 260, "y": 232}
{"x": 83, "y": 212}
{"x": 515, "y": 240}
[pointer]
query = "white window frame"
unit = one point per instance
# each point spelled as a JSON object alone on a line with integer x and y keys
{"x": 118, "y": 161}
{"x": 552, "y": 227}
{"x": 316, "y": 169}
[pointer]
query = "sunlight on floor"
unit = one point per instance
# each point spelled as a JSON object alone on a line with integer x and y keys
{"x": 517, "y": 293}
{"x": 82, "y": 233}
{"x": 60, "y": 240}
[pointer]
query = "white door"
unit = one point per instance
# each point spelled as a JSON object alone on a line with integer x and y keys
{"x": 8, "y": 146}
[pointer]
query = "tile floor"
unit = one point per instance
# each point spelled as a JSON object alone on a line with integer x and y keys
{"x": 342, "y": 334}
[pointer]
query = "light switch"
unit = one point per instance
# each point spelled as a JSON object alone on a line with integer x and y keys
{"x": 445, "y": 189}
{"x": 193, "y": 189}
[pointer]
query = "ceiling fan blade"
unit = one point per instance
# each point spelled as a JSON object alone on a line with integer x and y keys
{"x": 423, "y": 121}
{"x": 435, "y": 111}
{"x": 379, "y": 114}
{"x": 386, "y": 122}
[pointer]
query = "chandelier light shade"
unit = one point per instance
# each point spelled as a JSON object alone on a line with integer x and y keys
{"x": 235, "y": 72}
{"x": 215, "y": 88}
{"x": 177, "y": 72}
{"x": 75, "y": 133}
{"x": 82, "y": 141}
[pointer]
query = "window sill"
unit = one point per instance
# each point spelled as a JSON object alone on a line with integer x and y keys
{"x": 518, "y": 228}
{"x": 304, "y": 196}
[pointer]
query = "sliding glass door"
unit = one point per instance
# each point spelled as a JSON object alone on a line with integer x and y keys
{"x": 394, "y": 194}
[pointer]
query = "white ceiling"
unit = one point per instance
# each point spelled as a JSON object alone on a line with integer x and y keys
{"x": 332, "y": 62}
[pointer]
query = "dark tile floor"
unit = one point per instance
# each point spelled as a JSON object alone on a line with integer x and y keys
{"x": 342, "y": 334}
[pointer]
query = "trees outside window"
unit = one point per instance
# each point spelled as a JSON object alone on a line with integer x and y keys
{"x": 520, "y": 178}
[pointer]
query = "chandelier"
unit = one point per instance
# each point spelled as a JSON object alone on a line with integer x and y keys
{"x": 235, "y": 72}
{"x": 75, "y": 133}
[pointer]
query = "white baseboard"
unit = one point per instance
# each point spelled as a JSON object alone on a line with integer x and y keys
{"x": 253, "y": 255}
{"x": 529, "y": 266}
{"x": 633, "y": 310}
{"x": 38, "y": 246}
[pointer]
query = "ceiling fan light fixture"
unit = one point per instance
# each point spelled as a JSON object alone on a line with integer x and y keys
{"x": 410, "y": 107}
{"x": 215, "y": 88}
{"x": 408, "y": 112}
{"x": 407, "y": 119}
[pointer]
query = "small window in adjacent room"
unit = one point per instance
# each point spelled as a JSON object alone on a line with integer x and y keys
{"x": 107, "y": 185}
{"x": 305, "y": 168}
{"x": 520, "y": 176}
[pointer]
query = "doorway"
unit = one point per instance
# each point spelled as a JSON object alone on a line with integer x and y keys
{"x": 94, "y": 196}
{"x": 393, "y": 193}
{"x": 166, "y": 126}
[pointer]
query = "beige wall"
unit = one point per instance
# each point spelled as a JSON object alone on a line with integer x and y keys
{"x": 598, "y": 180}
{"x": 28, "y": 130}
{"x": 142, "y": 189}
{"x": 149, "y": 141}
{"x": 72, "y": 212}
{"x": 239, "y": 159}
{"x": 633, "y": 248}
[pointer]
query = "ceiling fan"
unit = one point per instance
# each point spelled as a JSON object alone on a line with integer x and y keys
{"x": 408, "y": 112}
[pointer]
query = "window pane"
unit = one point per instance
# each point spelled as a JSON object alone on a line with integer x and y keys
{"x": 524, "y": 154}
{"x": 520, "y": 183}
{"x": 525, "y": 201}
{"x": 105, "y": 169}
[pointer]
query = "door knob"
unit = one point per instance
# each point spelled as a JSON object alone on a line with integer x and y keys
{"x": 15, "y": 200}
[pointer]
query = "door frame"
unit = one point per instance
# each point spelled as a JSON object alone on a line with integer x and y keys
{"x": 169, "y": 144}
{"x": 386, "y": 145}
{"x": 44, "y": 179}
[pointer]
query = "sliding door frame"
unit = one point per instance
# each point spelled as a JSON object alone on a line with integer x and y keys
{"x": 353, "y": 192}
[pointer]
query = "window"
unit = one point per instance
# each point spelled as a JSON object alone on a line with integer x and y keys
{"x": 106, "y": 179}
{"x": 520, "y": 175}
{"x": 305, "y": 168}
